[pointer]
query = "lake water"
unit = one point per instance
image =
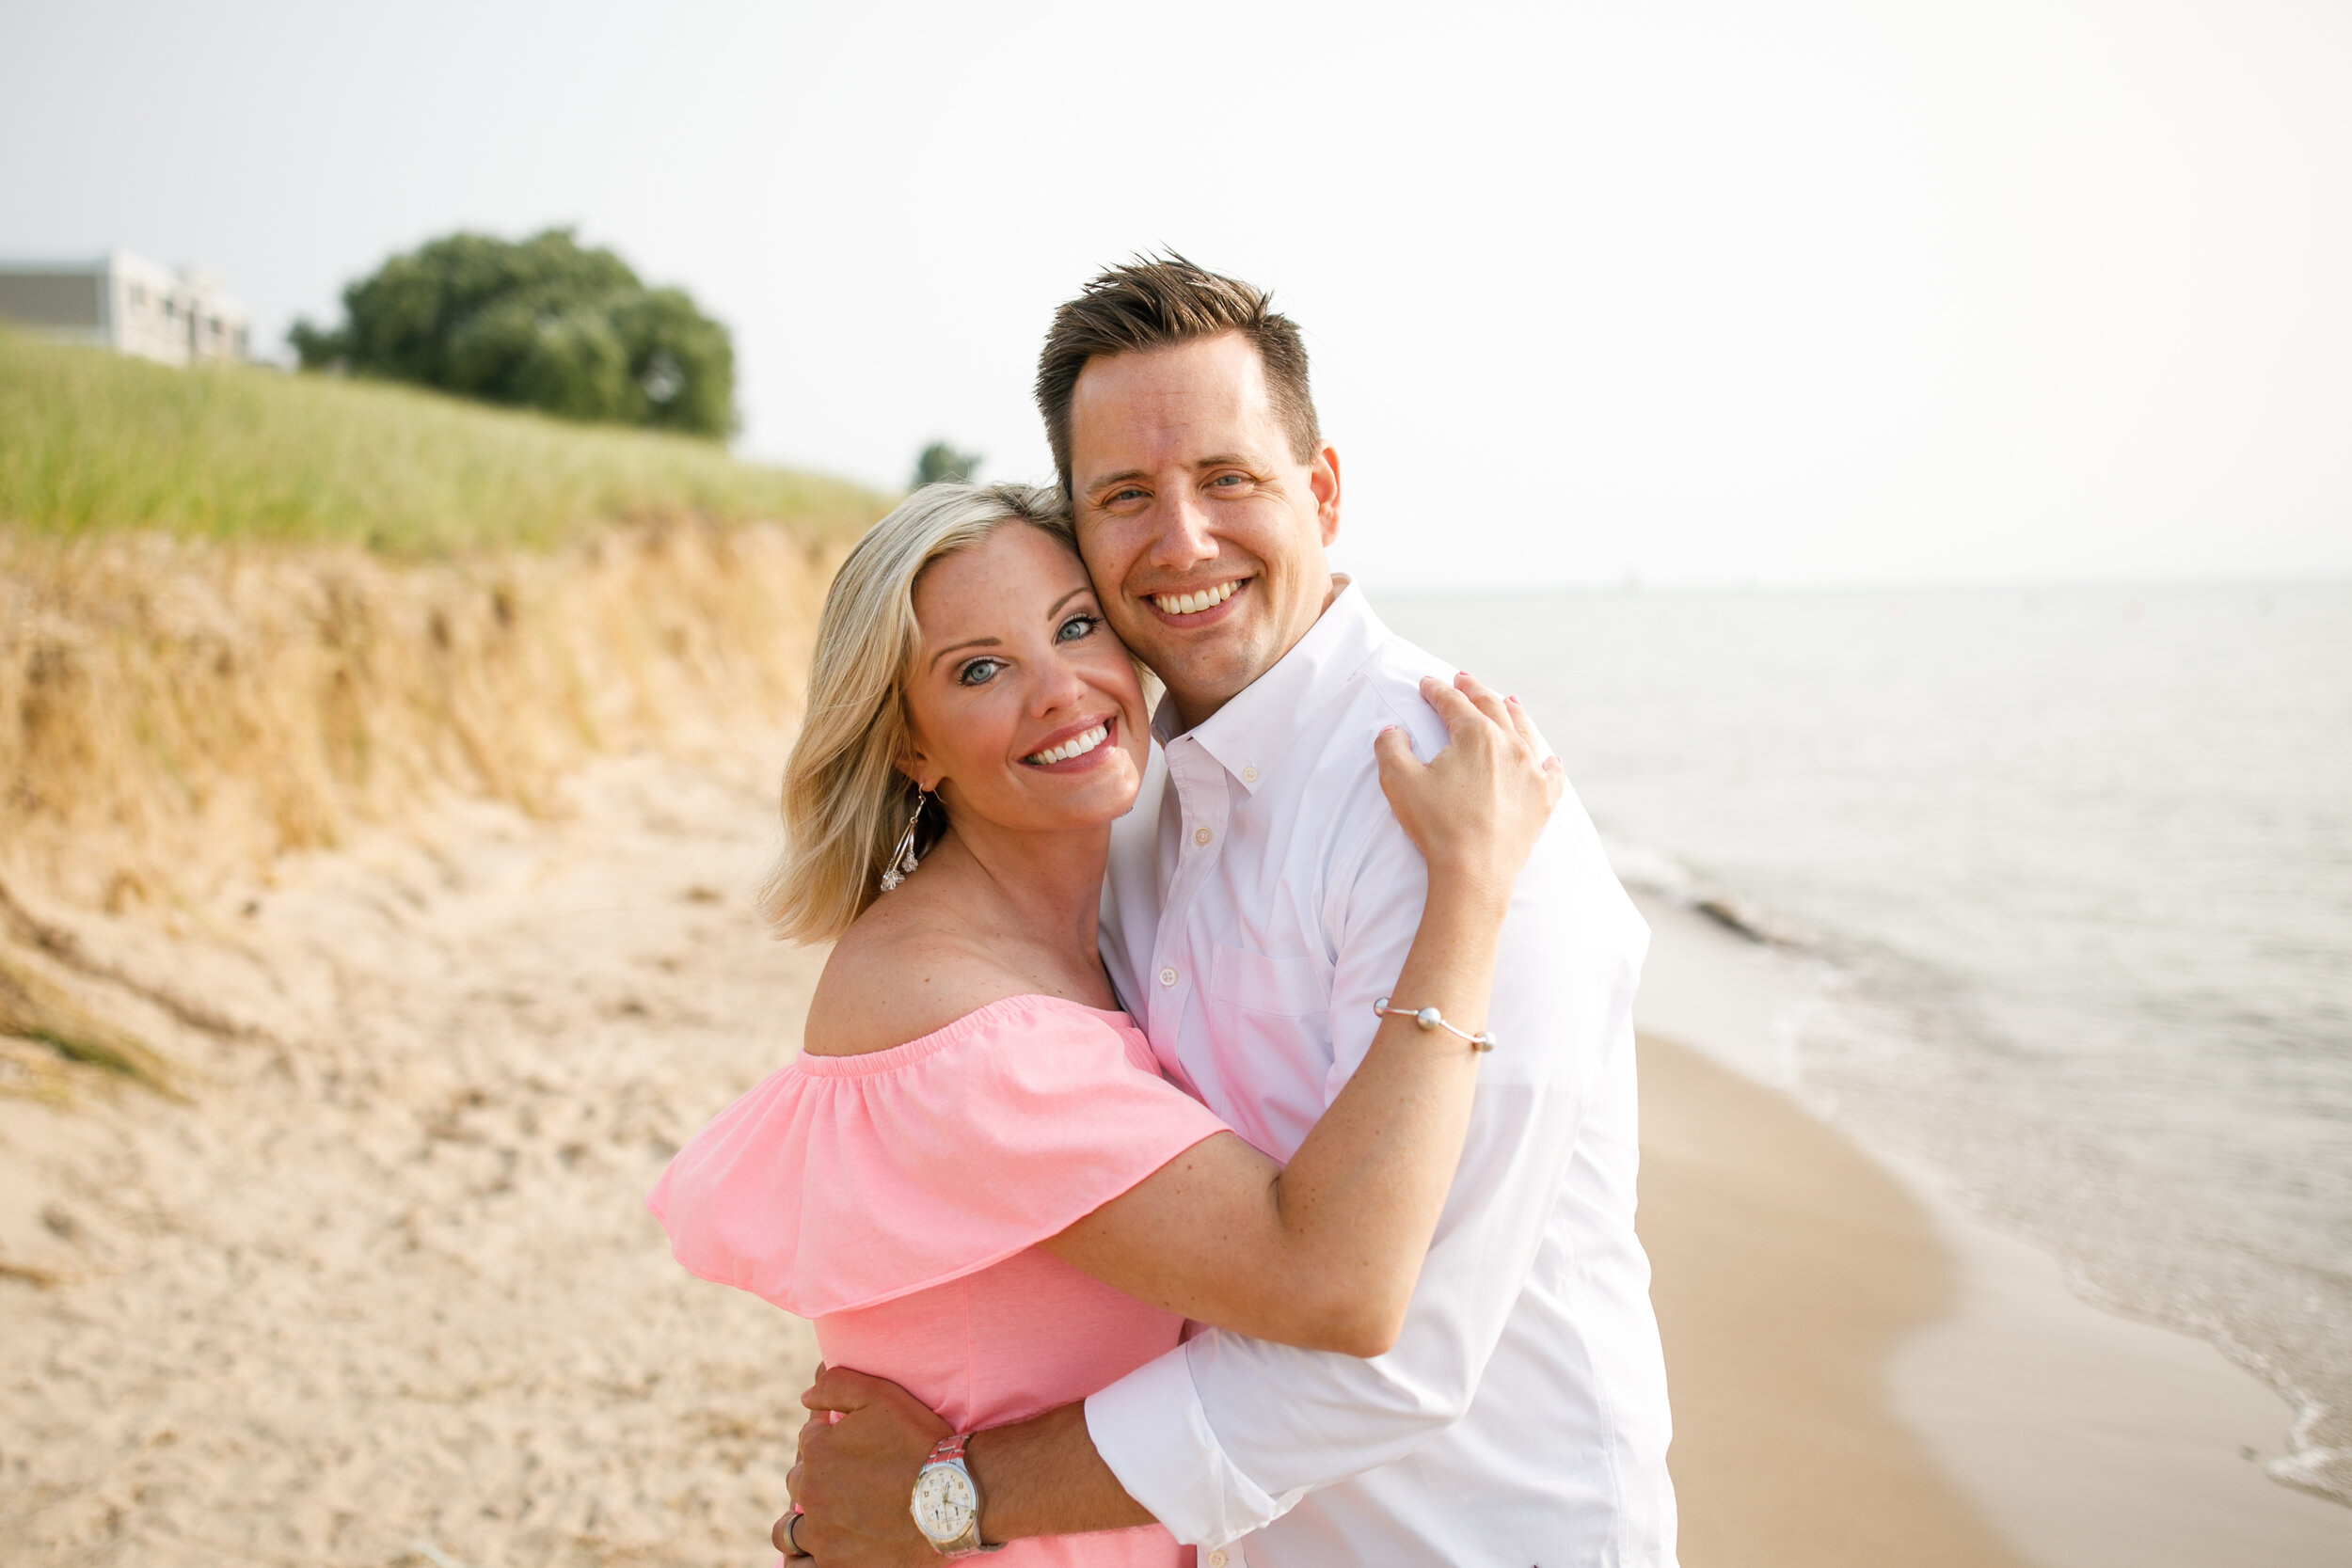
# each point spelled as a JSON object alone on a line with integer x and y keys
{"x": 2076, "y": 868}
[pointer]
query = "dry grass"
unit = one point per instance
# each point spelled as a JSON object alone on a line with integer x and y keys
{"x": 97, "y": 443}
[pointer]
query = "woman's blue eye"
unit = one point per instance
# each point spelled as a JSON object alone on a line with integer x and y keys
{"x": 1077, "y": 627}
{"x": 979, "y": 670}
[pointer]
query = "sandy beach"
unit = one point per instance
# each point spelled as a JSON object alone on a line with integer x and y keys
{"x": 1787, "y": 1266}
{"x": 380, "y": 1289}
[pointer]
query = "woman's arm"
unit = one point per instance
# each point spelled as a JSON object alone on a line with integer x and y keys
{"x": 1324, "y": 1253}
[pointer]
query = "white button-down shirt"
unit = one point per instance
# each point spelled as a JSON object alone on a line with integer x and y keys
{"x": 1260, "y": 896}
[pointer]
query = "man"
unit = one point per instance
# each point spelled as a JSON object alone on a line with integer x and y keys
{"x": 1260, "y": 900}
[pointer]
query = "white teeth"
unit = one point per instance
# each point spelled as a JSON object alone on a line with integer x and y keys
{"x": 1192, "y": 604}
{"x": 1076, "y": 746}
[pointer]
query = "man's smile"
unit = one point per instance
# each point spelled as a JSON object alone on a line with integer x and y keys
{"x": 1182, "y": 606}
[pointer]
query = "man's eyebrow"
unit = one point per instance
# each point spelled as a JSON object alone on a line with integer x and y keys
{"x": 1221, "y": 460}
{"x": 1104, "y": 480}
{"x": 968, "y": 642}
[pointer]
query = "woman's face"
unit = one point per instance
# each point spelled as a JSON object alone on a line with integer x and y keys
{"x": 1024, "y": 708}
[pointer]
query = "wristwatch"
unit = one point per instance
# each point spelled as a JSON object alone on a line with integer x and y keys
{"x": 946, "y": 1503}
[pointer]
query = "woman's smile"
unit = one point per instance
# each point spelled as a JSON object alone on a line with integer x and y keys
{"x": 1074, "y": 746}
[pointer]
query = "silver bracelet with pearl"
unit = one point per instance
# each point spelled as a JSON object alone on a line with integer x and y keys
{"x": 1429, "y": 1017}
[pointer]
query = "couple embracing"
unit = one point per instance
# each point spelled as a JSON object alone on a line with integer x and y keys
{"x": 1214, "y": 1135}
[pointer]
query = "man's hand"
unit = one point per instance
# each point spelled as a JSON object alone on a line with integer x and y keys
{"x": 855, "y": 1475}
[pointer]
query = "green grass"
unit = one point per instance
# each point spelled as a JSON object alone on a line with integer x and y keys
{"x": 94, "y": 442}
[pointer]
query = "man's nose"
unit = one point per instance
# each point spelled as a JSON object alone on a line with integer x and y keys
{"x": 1184, "y": 540}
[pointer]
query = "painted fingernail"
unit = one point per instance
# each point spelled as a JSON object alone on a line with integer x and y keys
{"x": 1512, "y": 700}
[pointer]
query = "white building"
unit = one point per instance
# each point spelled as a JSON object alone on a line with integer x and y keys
{"x": 128, "y": 304}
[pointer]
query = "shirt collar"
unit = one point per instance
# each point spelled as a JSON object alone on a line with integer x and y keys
{"x": 1249, "y": 734}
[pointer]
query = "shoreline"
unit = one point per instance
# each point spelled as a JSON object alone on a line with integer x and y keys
{"x": 2075, "y": 1437}
{"x": 1788, "y": 1267}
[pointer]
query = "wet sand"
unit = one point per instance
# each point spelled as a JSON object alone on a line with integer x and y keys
{"x": 1788, "y": 1267}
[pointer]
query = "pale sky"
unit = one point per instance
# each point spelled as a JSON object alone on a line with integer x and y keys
{"x": 1702, "y": 293}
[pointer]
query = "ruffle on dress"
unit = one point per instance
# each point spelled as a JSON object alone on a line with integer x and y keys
{"x": 847, "y": 1181}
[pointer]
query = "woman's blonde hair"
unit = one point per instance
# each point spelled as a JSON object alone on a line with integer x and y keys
{"x": 845, "y": 803}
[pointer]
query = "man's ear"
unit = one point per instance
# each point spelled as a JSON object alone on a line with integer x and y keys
{"x": 1323, "y": 481}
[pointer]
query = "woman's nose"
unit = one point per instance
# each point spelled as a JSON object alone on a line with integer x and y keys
{"x": 1059, "y": 685}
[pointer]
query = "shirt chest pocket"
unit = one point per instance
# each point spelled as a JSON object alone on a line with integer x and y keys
{"x": 1284, "y": 988}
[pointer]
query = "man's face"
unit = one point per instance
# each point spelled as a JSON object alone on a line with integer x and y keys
{"x": 1204, "y": 536}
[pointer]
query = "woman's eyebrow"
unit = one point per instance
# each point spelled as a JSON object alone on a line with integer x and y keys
{"x": 968, "y": 642}
{"x": 998, "y": 642}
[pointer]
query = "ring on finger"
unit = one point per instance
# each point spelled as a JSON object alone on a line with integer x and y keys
{"x": 792, "y": 1547}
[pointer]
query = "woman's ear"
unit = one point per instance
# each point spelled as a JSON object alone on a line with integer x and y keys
{"x": 913, "y": 764}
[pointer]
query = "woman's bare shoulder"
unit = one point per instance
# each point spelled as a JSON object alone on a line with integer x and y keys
{"x": 897, "y": 977}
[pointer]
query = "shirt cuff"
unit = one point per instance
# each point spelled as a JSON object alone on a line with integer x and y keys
{"x": 1152, "y": 1431}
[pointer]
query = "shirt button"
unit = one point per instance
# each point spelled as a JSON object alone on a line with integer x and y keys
{"x": 1201, "y": 835}
{"x": 1249, "y": 775}
{"x": 1216, "y": 1559}
{"x": 1168, "y": 976}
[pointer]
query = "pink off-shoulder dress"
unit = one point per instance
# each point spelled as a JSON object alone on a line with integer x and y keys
{"x": 896, "y": 1200}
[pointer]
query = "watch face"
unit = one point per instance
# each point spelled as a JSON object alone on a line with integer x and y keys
{"x": 944, "y": 1503}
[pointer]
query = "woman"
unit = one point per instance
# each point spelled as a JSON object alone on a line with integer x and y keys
{"x": 973, "y": 1178}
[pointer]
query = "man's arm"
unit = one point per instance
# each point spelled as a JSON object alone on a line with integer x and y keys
{"x": 1050, "y": 1480}
{"x": 866, "y": 1438}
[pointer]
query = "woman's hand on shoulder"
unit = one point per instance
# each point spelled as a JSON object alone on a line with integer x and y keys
{"x": 1476, "y": 808}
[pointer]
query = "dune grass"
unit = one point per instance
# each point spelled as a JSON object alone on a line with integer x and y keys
{"x": 92, "y": 442}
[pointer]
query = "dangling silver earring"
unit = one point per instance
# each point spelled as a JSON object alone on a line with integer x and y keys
{"x": 902, "y": 861}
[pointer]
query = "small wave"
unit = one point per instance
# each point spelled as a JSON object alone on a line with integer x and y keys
{"x": 2313, "y": 1466}
{"x": 1656, "y": 871}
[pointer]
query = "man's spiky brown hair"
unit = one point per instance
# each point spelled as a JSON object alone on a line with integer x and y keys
{"x": 1158, "y": 302}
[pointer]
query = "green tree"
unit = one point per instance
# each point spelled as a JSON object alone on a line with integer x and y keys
{"x": 939, "y": 461}
{"x": 543, "y": 323}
